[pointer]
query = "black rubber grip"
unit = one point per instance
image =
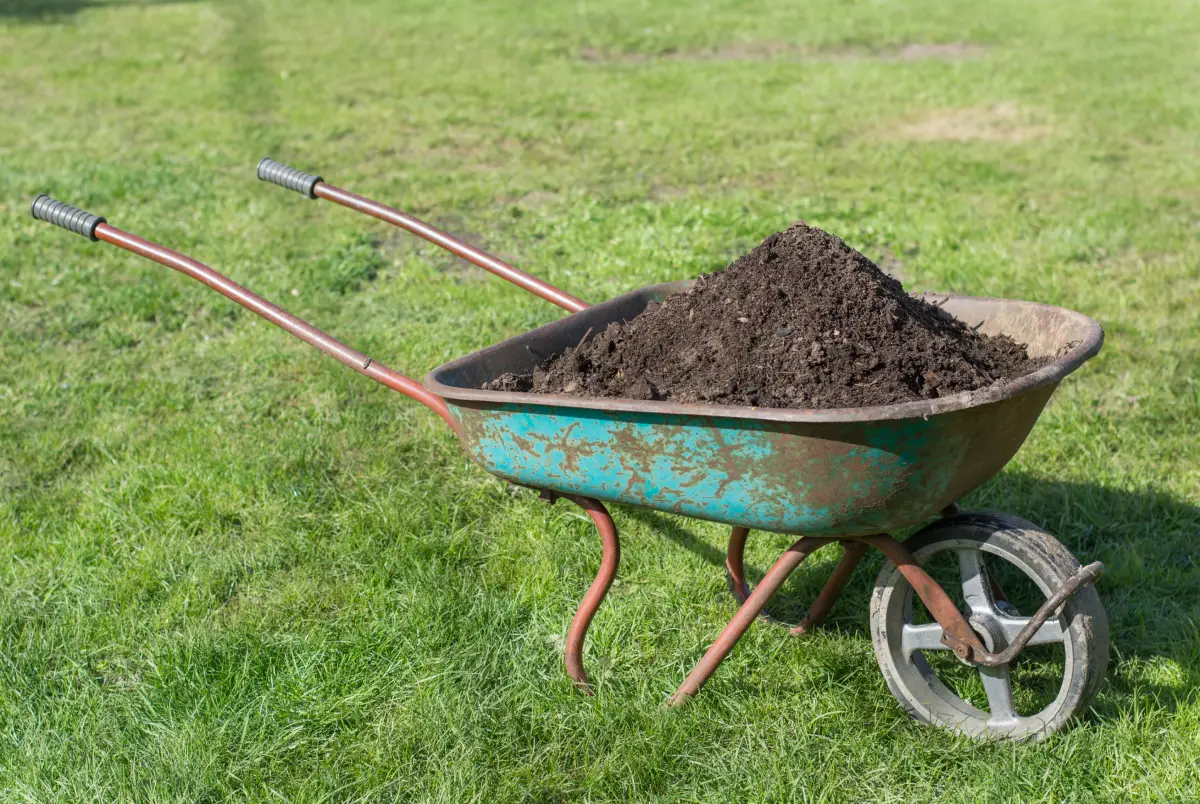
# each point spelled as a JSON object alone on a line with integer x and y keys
{"x": 47, "y": 209}
{"x": 289, "y": 177}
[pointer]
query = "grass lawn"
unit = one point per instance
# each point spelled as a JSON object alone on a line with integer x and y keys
{"x": 230, "y": 567}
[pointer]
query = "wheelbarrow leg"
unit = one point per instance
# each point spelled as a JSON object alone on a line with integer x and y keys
{"x": 595, "y": 594}
{"x": 852, "y": 555}
{"x": 740, "y": 587}
{"x": 735, "y": 566}
{"x": 746, "y": 615}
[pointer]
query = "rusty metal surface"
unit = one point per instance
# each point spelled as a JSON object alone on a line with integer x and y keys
{"x": 740, "y": 588}
{"x": 452, "y": 244}
{"x": 845, "y": 479}
{"x": 962, "y": 638}
{"x": 277, "y": 316}
{"x": 1089, "y": 574}
{"x": 851, "y": 557}
{"x": 735, "y": 564}
{"x": 610, "y": 561}
{"x": 957, "y": 632}
{"x": 822, "y": 472}
{"x": 746, "y": 615}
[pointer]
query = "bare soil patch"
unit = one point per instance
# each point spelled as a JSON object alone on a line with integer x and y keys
{"x": 1000, "y": 122}
{"x": 785, "y": 51}
{"x": 400, "y": 244}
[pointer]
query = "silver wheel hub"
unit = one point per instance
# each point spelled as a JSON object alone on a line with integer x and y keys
{"x": 995, "y": 622}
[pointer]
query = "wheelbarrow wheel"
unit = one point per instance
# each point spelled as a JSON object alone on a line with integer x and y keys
{"x": 974, "y": 556}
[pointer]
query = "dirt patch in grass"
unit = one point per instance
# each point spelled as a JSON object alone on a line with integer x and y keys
{"x": 539, "y": 199}
{"x": 945, "y": 51}
{"x": 785, "y": 51}
{"x": 802, "y": 321}
{"x": 399, "y": 244}
{"x": 1000, "y": 122}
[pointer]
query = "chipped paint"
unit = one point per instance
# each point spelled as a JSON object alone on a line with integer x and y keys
{"x": 840, "y": 478}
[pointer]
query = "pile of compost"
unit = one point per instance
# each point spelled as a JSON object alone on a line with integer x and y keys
{"x": 802, "y": 321}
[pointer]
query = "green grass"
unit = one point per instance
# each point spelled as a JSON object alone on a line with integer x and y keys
{"x": 232, "y": 568}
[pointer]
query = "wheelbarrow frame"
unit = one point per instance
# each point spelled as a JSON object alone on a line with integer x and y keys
{"x": 846, "y": 475}
{"x": 958, "y": 635}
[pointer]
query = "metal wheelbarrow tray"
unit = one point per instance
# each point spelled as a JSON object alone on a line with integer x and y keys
{"x": 848, "y": 472}
{"x": 845, "y": 475}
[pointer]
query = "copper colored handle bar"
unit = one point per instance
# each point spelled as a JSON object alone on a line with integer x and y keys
{"x": 94, "y": 227}
{"x": 315, "y": 187}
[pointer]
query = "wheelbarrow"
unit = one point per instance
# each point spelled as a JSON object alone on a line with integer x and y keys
{"x": 849, "y": 476}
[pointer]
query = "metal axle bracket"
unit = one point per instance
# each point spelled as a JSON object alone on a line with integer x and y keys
{"x": 975, "y": 654}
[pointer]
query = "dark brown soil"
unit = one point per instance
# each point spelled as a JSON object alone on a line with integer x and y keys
{"x": 802, "y": 321}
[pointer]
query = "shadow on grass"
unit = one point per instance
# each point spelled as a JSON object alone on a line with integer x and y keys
{"x": 40, "y": 10}
{"x": 1149, "y": 542}
{"x": 665, "y": 526}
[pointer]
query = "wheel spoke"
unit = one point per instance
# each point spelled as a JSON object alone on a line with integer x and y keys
{"x": 998, "y": 685}
{"x": 934, "y": 687}
{"x": 1050, "y": 633}
{"x": 921, "y": 637}
{"x": 977, "y": 590}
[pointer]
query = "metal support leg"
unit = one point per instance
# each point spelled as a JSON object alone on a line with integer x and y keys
{"x": 735, "y": 566}
{"x": 746, "y": 615}
{"x": 739, "y": 587}
{"x": 854, "y": 552}
{"x": 931, "y": 594}
{"x": 595, "y": 594}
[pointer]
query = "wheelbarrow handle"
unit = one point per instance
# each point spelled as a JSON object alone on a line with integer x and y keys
{"x": 289, "y": 177}
{"x": 96, "y": 228}
{"x": 73, "y": 219}
{"x": 315, "y": 187}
